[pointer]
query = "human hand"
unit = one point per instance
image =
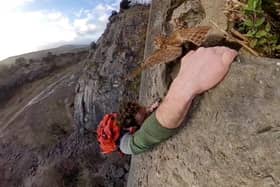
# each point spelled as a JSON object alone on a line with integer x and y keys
{"x": 204, "y": 68}
{"x": 200, "y": 70}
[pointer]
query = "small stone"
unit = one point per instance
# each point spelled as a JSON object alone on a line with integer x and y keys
{"x": 126, "y": 166}
{"x": 72, "y": 77}
{"x": 116, "y": 85}
{"x": 126, "y": 177}
{"x": 119, "y": 173}
{"x": 278, "y": 63}
{"x": 261, "y": 82}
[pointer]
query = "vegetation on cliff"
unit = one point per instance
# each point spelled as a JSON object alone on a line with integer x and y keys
{"x": 257, "y": 23}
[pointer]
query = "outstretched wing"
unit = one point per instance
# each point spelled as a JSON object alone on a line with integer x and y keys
{"x": 171, "y": 47}
{"x": 161, "y": 56}
{"x": 196, "y": 35}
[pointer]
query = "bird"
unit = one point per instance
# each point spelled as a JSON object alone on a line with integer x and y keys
{"x": 169, "y": 48}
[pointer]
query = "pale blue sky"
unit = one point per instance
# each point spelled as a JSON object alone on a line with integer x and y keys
{"x": 68, "y": 7}
{"x": 30, "y": 25}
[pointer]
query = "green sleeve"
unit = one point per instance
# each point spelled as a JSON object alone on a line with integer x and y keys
{"x": 150, "y": 134}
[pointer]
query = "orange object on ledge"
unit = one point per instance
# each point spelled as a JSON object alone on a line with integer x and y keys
{"x": 108, "y": 133}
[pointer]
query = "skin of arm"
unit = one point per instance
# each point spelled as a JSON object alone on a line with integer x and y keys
{"x": 200, "y": 71}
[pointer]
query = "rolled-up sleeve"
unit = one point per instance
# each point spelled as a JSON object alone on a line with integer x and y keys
{"x": 125, "y": 144}
{"x": 150, "y": 134}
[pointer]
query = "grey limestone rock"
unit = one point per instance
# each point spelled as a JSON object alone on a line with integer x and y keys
{"x": 102, "y": 87}
{"x": 231, "y": 137}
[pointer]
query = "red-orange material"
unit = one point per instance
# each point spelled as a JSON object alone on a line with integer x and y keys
{"x": 108, "y": 133}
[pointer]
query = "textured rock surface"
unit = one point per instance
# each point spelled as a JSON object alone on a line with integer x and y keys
{"x": 161, "y": 21}
{"x": 40, "y": 144}
{"x": 121, "y": 47}
{"x": 231, "y": 137}
{"x": 214, "y": 12}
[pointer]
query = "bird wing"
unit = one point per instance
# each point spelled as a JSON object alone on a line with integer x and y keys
{"x": 172, "y": 47}
{"x": 160, "y": 56}
{"x": 196, "y": 35}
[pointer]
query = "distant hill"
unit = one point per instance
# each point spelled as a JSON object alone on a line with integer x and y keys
{"x": 43, "y": 53}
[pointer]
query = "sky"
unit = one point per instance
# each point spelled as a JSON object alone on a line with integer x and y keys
{"x": 31, "y": 25}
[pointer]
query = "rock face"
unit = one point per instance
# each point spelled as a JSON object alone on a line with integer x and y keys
{"x": 50, "y": 108}
{"x": 102, "y": 87}
{"x": 40, "y": 142}
{"x": 231, "y": 136}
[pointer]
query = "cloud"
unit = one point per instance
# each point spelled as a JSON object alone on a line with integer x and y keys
{"x": 92, "y": 21}
{"x": 26, "y": 31}
{"x": 141, "y": 1}
{"x": 23, "y": 31}
{"x": 13, "y": 4}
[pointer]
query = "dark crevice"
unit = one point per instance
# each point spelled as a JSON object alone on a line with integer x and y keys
{"x": 264, "y": 130}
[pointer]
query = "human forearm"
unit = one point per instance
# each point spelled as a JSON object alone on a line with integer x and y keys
{"x": 200, "y": 71}
{"x": 149, "y": 135}
{"x": 175, "y": 105}
{"x": 162, "y": 124}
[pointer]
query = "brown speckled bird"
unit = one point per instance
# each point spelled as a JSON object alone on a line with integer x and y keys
{"x": 169, "y": 48}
